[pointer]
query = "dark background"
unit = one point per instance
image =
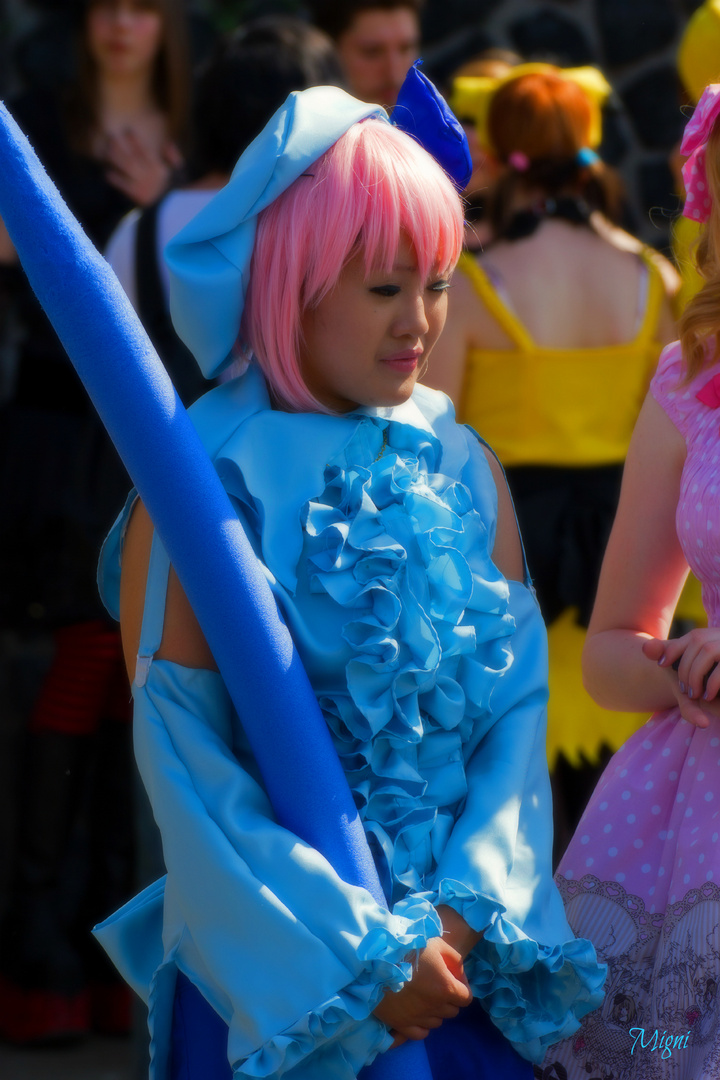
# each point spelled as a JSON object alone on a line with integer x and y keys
{"x": 633, "y": 41}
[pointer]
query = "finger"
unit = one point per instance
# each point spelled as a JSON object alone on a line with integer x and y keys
{"x": 398, "y": 1039}
{"x": 448, "y": 1012}
{"x": 692, "y": 712}
{"x": 712, "y": 684}
{"x": 460, "y": 994}
{"x": 430, "y": 1022}
{"x": 117, "y": 146}
{"x": 703, "y": 665}
{"x": 172, "y": 156}
{"x": 685, "y": 664}
{"x": 415, "y": 1032}
{"x": 672, "y": 649}
{"x": 654, "y": 649}
{"x": 119, "y": 177}
{"x": 135, "y": 144}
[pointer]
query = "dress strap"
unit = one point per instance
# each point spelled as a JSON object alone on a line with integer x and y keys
{"x": 653, "y": 303}
{"x": 493, "y": 302}
{"x": 154, "y": 611}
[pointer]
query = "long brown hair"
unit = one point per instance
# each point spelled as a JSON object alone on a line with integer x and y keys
{"x": 170, "y": 84}
{"x": 700, "y": 321}
{"x": 546, "y": 119}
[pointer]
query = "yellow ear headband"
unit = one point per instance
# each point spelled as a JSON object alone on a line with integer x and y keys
{"x": 698, "y": 58}
{"x": 471, "y": 96}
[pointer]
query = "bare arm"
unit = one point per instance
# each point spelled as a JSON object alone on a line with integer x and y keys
{"x": 642, "y": 577}
{"x": 507, "y": 553}
{"x": 8, "y": 255}
{"x": 667, "y": 330}
{"x": 438, "y": 988}
{"x": 183, "y": 640}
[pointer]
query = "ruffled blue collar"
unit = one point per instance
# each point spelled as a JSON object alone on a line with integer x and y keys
{"x": 275, "y": 462}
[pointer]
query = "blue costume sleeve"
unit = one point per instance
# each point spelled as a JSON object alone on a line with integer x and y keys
{"x": 232, "y": 868}
{"x": 535, "y": 980}
{"x": 292, "y": 957}
{"x": 532, "y": 976}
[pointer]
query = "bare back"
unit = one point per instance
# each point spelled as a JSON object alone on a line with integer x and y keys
{"x": 568, "y": 286}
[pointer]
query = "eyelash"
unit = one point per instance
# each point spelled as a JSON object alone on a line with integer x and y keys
{"x": 393, "y": 290}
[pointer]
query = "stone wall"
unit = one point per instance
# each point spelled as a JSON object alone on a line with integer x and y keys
{"x": 633, "y": 41}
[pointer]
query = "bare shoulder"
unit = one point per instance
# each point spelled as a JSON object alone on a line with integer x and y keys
{"x": 507, "y": 553}
{"x": 626, "y": 242}
{"x": 182, "y": 639}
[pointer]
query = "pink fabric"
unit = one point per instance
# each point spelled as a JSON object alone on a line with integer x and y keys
{"x": 641, "y": 877}
{"x": 710, "y": 393}
{"x": 697, "y": 133}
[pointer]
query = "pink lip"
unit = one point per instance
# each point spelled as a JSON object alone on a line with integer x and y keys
{"x": 405, "y": 361}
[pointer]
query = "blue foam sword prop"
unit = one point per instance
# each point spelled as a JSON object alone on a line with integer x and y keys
{"x": 196, "y": 522}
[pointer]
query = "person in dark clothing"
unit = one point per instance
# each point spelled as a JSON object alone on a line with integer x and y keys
{"x": 110, "y": 140}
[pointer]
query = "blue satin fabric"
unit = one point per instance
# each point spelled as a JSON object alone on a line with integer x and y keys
{"x": 468, "y": 1047}
{"x": 376, "y": 531}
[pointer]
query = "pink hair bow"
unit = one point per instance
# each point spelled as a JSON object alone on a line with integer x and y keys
{"x": 697, "y": 133}
{"x": 710, "y": 393}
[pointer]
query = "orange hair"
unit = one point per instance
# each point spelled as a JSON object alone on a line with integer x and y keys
{"x": 547, "y": 119}
{"x": 541, "y": 115}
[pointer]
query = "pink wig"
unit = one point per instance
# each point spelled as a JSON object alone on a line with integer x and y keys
{"x": 372, "y": 184}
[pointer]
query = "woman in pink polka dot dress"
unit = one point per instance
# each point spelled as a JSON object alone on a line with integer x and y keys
{"x": 641, "y": 877}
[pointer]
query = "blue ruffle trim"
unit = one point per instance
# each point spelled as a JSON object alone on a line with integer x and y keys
{"x": 536, "y": 995}
{"x": 400, "y": 546}
{"x": 347, "y": 1015}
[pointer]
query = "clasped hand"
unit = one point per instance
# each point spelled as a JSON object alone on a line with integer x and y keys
{"x": 436, "y": 992}
{"x": 137, "y": 168}
{"x": 691, "y": 662}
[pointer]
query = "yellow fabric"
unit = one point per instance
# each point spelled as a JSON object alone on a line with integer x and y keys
{"x": 576, "y": 724}
{"x": 685, "y": 235}
{"x": 698, "y": 57}
{"x": 690, "y": 605}
{"x": 564, "y": 407}
{"x": 572, "y": 407}
{"x": 471, "y": 95}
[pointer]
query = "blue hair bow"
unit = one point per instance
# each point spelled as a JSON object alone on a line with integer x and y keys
{"x": 422, "y": 112}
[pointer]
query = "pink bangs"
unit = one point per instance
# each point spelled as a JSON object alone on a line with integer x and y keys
{"x": 373, "y": 184}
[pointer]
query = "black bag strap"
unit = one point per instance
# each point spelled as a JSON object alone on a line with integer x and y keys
{"x": 154, "y": 314}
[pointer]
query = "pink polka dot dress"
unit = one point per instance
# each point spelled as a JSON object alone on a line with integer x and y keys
{"x": 641, "y": 877}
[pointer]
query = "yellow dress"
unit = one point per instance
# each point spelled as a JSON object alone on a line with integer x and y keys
{"x": 572, "y": 410}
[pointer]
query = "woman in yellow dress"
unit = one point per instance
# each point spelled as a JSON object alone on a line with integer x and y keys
{"x": 551, "y": 340}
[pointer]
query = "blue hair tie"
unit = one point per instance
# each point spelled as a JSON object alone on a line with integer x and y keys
{"x": 422, "y": 112}
{"x": 586, "y": 157}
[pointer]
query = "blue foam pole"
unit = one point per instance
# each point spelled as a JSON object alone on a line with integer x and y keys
{"x": 196, "y": 522}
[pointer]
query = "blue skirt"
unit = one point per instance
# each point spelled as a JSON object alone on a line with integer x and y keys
{"x": 469, "y": 1047}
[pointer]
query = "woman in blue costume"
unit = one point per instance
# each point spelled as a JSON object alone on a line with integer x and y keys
{"x": 389, "y": 542}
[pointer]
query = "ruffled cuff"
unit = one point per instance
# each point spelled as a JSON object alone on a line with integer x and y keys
{"x": 386, "y": 954}
{"x": 535, "y": 994}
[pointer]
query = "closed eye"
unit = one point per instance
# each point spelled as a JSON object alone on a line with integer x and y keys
{"x": 385, "y": 290}
{"x": 440, "y": 286}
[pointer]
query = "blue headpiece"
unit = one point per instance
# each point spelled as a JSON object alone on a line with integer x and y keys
{"x": 423, "y": 112}
{"x": 209, "y": 260}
